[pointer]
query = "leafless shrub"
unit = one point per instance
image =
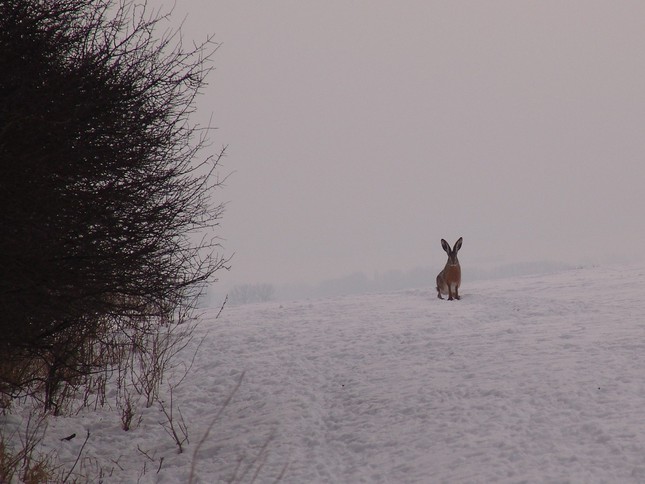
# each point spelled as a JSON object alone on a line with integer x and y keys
{"x": 174, "y": 425}
{"x": 128, "y": 408}
{"x": 155, "y": 355}
{"x": 18, "y": 456}
{"x": 106, "y": 193}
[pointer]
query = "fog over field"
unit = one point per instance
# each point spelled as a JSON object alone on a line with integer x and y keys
{"x": 361, "y": 133}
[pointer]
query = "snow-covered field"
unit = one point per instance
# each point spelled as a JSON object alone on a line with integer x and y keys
{"x": 531, "y": 379}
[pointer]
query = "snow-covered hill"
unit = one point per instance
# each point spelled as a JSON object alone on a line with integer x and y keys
{"x": 532, "y": 379}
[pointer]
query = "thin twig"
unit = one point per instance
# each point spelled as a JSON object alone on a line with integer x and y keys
{"x": 222, "y": 308}
{"x": 212, "y": 424}
{"x": 144, "y": 453}
{"x": 80, "y": 452}
{"x": 282, "y": 473}
{"x": 259, "y": 460}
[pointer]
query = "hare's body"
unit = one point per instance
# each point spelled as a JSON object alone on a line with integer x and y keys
{"x": 449, "y": 279}
{"x": 448, "y": 282}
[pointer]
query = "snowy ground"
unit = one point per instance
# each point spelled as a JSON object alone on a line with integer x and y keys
{"x": 532, "y": 379}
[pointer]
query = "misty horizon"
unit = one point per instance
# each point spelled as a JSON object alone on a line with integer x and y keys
{"x": 361, "y": 134}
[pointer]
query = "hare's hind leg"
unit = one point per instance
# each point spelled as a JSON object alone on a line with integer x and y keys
{"x": 453, "y": 291}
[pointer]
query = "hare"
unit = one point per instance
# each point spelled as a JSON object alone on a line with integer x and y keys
{"x": 449, "y": 279}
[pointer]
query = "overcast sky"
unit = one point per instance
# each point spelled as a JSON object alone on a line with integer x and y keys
{"x": 362, "y": 132}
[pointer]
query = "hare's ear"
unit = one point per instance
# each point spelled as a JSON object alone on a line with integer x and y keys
{"x": 458, "y": 244}
{"x": 445, "y": 245}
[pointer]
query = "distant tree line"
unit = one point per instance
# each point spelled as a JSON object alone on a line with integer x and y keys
{"x": 251, "y": 293}
{"x": 395, "y": 280}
